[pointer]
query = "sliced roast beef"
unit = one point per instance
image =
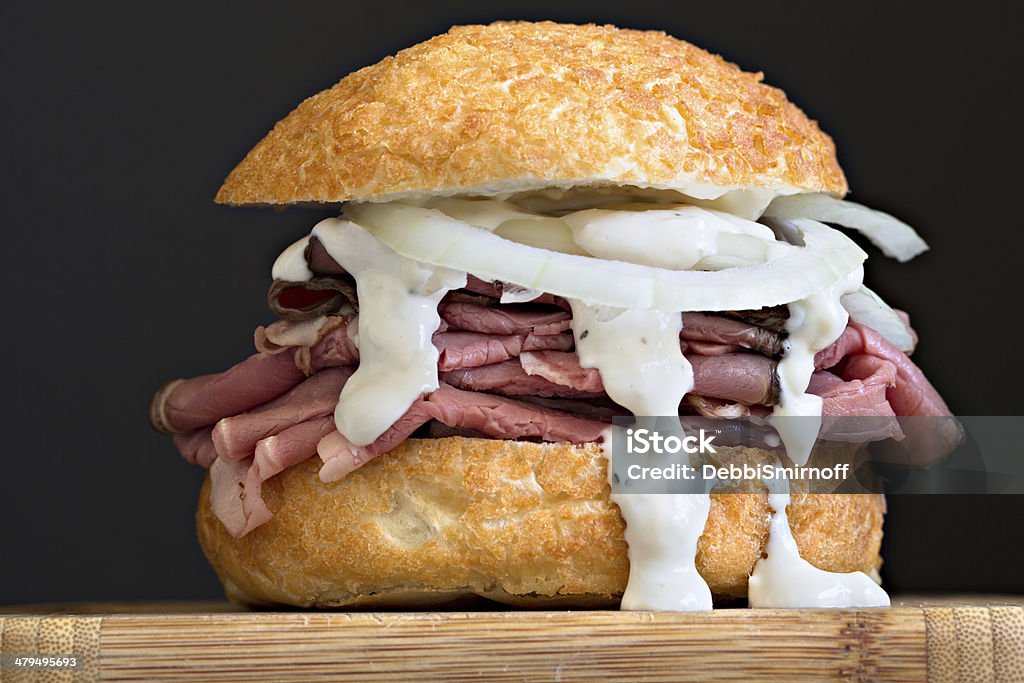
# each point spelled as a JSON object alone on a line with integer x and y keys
{"x": 473, "y": 349}
{"x": 912, "y": 394}
{"x": 319, "y": 261}
{"x": 564, "y": 369}
{"x": 439, "y": 430}
{"x": 341, "y": 456}
{"x": 510, "y": 379}
{"x": 852, "y": 398}
{"x": 322, "y": 295}
{"x": 187, "y": 405}
{"x": 455, "y": 349}
{"x": 504, "y": 418}
{"x": 703, "y": 327}
{"x": 521, "y": 350}
{"x": 848, "y": 342}
{"x": 327, "y": 335}
{"x": 856, "y": 410}
{"x": 291, "y": 446}
{"x": 197, "y": 447}
{"x": 238, "y": 506}
{"x": 335, "y": 349}
{"x": 773, "y": 318}
{"x": 481, "y": 362}
{"x": 867, "y": 380}
{"x": 744, "y": 377}
{"x": 291, "y": 350}
{"x": 504, "y": 319}
{"x": 482, "y": 287}
{"x": 905, "y": 317}
{"x": 494, "y": 291}
{"x": 237, "y": 486}
{"x": 285, "y": 334}
{"x": 699, "y": 348}
{"x": 495, "y": 416}
{"x": 713, "y": 407}
{"x": 603, "y": 409}
{"x": 862, "y": 354}
{"x": 464, "y": 297}
{"x": 236, "y": 437}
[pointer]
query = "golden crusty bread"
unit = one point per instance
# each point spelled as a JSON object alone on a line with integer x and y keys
{"x": 521, "y": 106}
{"x": 522, "y": 523}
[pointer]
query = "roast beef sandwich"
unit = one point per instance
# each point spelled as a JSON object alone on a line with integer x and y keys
{"x": 542, "y": 227}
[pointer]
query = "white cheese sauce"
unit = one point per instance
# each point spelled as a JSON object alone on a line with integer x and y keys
{"x": 662, "y": 530}
{"x": 291, "y": 265}
{"x": 398, "y": 300}
{"x": 784, "y": 579}
{"x": 637, "y": 353}
{"x": 676, "y": 237}
{"x": 643, "y": 369}
{"x": 814, "y": 323}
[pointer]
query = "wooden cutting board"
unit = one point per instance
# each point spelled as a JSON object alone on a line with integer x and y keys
{"x": 942, "y": 639}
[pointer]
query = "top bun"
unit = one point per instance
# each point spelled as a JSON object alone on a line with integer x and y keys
{"x": 518, "y": 106}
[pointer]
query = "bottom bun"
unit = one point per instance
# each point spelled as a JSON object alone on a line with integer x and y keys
{"x": 526, "y": 524}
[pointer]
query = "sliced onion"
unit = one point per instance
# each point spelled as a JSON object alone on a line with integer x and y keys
{"x": 672, "y": 237}
{"x": 431, "y": 237}
{"x": 484, "y": 212}
{"x": 514, "y": 294}
{"x": 549, "y": 233}
{"x": 509, "y": 221}
{"x": 868, "y": 309}
{"x": 721, "y": 262}
{"x": 895, "y": 238}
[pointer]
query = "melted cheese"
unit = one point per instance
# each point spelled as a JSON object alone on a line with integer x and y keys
{"x": 643, "y": 369}
{"x": 662, "y": 530}
{"x": 784, "y": 579}
{"x": 398, "y": 316}
{"x": 291, "y": 265}
{"x": 676, "y": 238}
{"x": 814, "y": 323}
{"x": 637, "y": 353}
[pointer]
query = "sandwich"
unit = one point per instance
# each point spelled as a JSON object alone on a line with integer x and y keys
{"x": 543, "y": 228}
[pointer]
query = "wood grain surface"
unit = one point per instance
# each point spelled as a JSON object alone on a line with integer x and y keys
{"x": 920, "y": 638}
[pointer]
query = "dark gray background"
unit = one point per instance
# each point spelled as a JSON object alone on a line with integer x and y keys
{"x": 119, "y": 122}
